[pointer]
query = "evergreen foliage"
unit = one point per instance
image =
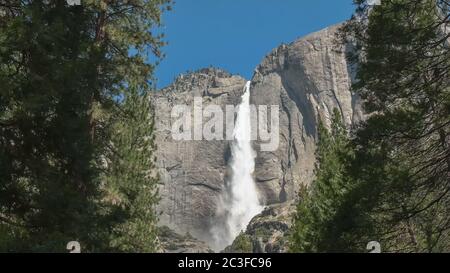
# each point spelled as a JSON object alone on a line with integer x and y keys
{"x": 71, "y": 77}
{"x": 392, "y": 183}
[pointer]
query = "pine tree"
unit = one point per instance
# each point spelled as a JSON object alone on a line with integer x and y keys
{"x": 404, "y": 78}
{"x": 400, "y": 170}
{"x": 63, "y": 72}
{"x": 131, "y": 180}
{"x": 316, "y": 214}
{"x": 389, "y": 182}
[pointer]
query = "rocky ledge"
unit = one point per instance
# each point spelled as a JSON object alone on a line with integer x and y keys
{"x": 267, "y": 232}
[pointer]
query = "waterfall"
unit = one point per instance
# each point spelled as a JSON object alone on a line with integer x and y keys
{"x": 239, "y": 203}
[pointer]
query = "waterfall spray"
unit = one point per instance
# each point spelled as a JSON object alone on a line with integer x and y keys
{"x": 240, "y": 202}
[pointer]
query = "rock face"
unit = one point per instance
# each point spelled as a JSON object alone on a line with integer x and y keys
{"x": 192, "y": 172}
{"x": 307, "y": 79}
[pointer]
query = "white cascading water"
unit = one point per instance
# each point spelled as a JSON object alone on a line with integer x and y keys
{"x": 240, "y": 202}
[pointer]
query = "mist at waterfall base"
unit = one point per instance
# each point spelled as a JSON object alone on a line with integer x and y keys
{"x": 239, "y": 202}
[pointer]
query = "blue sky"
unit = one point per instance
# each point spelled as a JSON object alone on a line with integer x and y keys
{"x": 236, "y": 34}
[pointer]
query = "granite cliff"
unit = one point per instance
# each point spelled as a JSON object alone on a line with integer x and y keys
{"x": 307, "y": 79}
